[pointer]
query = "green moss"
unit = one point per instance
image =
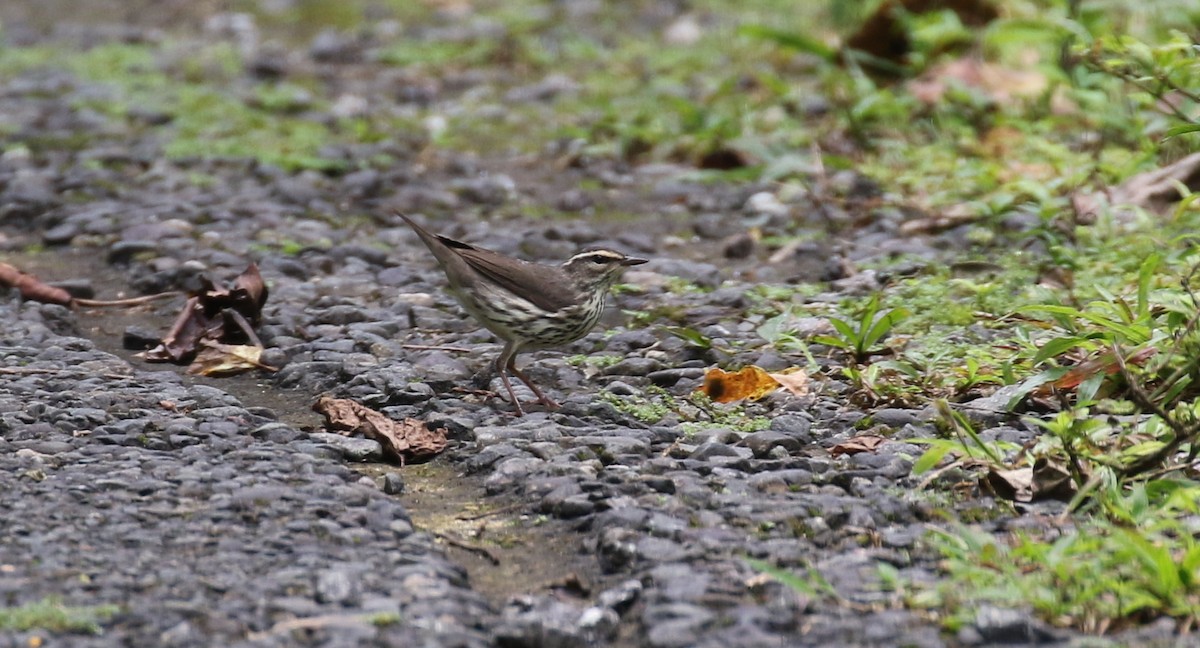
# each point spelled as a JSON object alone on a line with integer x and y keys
{"x": 52, "y": 615}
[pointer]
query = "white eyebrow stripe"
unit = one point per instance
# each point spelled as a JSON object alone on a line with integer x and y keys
{"x": 608, "y": 255}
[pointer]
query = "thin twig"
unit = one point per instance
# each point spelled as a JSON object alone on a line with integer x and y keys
{"x": 436, "y": 347}
{"x": 26, "y": 371}
{"x": 1183, "y": 434}
{"x": 468, "y": 546}
{"x": 132, "y": 301}
{"x": 500, "y": 511}
{"x": 244, "y": 325}
{"x": 312, "y": 623}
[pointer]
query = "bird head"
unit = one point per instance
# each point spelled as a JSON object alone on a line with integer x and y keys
{"x": 598, "y": 269}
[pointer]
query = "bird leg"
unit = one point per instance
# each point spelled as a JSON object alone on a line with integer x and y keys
{"x": 542, "y": 398}
{"x": 511, "y": 394}
{"x": 506, "y": 363}
{"x": 504, "y": 360}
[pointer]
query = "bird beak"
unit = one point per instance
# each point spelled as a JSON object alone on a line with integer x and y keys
{"x": 632, "y": 261}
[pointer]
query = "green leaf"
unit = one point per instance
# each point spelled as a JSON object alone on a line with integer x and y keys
{"x": 1181, "y": 130}
{"x": 792, "y": 40}
{"x": 1145, "y": 277}
{"x": 815, "y": 585}
{"x": 937, "y": 451}
{"x": 883, "y": 325}
{"x": 1057, "y": 347}
{"x": 829, "y": 340}
{"x": 1033, "y": 382}
{"x": 846, "y": 329}
{"x": 691, "y": 336}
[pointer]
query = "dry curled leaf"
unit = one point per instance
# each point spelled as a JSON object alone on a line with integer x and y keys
{"x": 1158, "y": 190}
{"x": 1001, "y": 84}
{"x": 858, "y": 444}
{"x": 405, "y": 441}
{"x": 215, "y": 315}
{"x": 216, "y": 359}
{"x": 751, "y": 383}
{"x": 794, "y": 380}
{"x": 1044, "y": 480}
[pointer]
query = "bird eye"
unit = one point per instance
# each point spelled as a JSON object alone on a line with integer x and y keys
{"x": 599, "y": 260}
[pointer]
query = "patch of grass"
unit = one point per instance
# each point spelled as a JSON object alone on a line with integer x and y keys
{"x": 52, "y": 615}
{"x": 1098, "y": 577}
{"x": 600, "y": 361}
{"x": 270, "y": 125}
{"x": 647, "y": 410}
{"x": 384, "y": 619}
{"x": 696, "y": 411}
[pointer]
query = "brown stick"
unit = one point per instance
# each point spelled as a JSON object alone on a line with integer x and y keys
{"x": 468, "y": 546}
{"x": 312, "y": 623}
{"x": 436, "y": 347}
{"x": 500, "y": 511}
{"x": 132, "y": 301}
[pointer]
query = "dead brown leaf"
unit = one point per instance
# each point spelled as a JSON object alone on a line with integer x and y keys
{"x": 1044, "y": 480}
{"x": 1156, "y": 191}
{"x": 1014, "y": 485}
{"x": 794, "y": 380}
{"x": 406, "y": 441}
{"x": 1052, "y": 481}
{"x": 1002, "y": 85}
{"x": 215, "y": 315}
{"x": 858, "y": 444}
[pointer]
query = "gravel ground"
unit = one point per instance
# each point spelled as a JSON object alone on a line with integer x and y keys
{"x": 211, "y": 522}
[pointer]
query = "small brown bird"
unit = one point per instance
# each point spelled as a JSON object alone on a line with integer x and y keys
{"x": 528, "y": 305}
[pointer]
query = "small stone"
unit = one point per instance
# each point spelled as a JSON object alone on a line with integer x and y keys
{"x": 894, "y": 417}
{"x": 668, "y": 377}
{"x": 352, "y": 448}
{"x": 124, "y": 251}
{"x": 60, "y": 234}
{"x": 336, "y": 586}
{"x": 622, "y": 596}
{"x": 402, "y": 528}
{"x": 738, "y": 246}
{"x": 707, "y": 451}
{"x": 393, "y": 484}
{"x": 997, "y": 625}
{"x": 634, "y": 367}
{"x": 762, "y": 443}
{"x": 574, "y": 506}
{"x": 138, "y": 338}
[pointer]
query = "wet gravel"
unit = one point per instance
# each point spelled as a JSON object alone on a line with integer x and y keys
{"x": 209, "y": 522}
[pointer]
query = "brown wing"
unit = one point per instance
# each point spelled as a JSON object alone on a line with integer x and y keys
{"x": 544, "y": 286}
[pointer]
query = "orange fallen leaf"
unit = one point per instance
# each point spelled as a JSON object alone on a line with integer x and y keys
{"x": 750, "y": 382}
{"x": 858, "y": 444}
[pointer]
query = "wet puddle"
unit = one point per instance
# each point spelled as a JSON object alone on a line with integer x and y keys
{"x": 505, "y": 550}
